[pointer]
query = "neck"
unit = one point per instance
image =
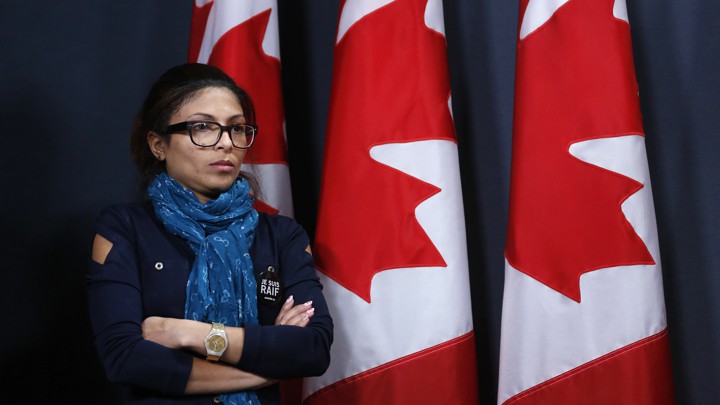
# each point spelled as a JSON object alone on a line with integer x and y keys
{"x": 202, "y": 198}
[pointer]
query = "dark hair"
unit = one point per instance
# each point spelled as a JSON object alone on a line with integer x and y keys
{"x": 171, "y": 91}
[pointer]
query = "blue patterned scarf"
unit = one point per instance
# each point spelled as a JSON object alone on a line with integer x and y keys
{"x": 221, "y": 286}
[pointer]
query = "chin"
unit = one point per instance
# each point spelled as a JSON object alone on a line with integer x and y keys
{"x": 222, "y": 187}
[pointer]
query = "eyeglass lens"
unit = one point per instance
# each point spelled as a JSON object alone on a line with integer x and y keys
{"x": 209, "y": 133}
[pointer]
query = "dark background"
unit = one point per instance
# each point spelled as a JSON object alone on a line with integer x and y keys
{"x": 74, "y": 73}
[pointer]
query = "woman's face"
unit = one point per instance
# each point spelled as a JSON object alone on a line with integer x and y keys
{"x": 206, "y": 171}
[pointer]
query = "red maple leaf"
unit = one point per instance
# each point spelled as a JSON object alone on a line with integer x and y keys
{"x": 239, "y": 53}
{"x": 390, "y": 84}
{"x": 575, "y": 81}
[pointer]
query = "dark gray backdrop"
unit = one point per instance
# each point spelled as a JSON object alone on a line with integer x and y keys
{"x": 74, "y": 73}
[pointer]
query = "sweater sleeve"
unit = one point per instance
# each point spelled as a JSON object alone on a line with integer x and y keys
{"x": 115, "y": 298}
{"x": 281, "y": 351}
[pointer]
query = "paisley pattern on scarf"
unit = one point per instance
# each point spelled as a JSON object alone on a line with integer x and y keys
{"x": 221, "y": 286}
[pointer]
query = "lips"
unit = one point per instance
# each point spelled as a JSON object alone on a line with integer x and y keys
{"x": 223, "y": 165}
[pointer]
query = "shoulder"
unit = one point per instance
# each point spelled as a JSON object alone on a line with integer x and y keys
{"x": 278, "y": 222}
{"x": 126, "y": 210}
{"x": 125, "y": 218}
{"x": 280, "y": 227}
{"x": 280, "y": 233}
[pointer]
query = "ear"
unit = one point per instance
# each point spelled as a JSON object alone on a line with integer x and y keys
{"x": 158, "y": 144}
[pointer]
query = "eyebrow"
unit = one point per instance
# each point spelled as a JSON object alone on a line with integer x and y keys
{"x": 212, "y": 117}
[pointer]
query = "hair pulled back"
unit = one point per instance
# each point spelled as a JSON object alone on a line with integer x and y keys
{"x": 172, "y": 90}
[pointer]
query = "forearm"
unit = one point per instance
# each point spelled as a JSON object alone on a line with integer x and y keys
{"x": 209, "y": 377}
{"x": 144, "y": 364}
{"x": 287, "y": 351}
{"x": 290, "y": 352}
{"x": 190, "y": 335}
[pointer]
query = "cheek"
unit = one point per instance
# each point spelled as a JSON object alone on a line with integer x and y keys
{"x": 240, "y": 153}
{"x": 183, "y": 161}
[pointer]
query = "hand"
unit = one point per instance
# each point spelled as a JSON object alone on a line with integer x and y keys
{"x": 298, "y": 315}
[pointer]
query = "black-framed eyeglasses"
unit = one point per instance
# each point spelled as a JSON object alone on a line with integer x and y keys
{"x": 208, "y": 133}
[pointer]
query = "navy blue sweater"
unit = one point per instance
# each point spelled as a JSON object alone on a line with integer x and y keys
{"x": 128, "y": 288}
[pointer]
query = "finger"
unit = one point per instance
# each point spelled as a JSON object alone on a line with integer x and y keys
{"x": 290, "y": 316}
{"x": 306, "y": 318}
{"x": 293, "y": 318}
{"x": 287, "y": 305}
{"x": 304, "y": 321}
{"x": 297, "y": 309}
{"x": 301, "y": 319}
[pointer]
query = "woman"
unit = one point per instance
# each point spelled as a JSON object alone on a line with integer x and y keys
{"x": 194, "y": 297}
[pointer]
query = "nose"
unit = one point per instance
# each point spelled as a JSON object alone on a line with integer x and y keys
{"x": 225, "y": 141}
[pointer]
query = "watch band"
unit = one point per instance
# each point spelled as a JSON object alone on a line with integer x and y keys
{"x": 216, "y": 342}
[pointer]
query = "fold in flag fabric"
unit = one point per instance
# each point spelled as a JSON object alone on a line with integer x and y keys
{"x": 390, "y": 239}
{"x": 583, "y": 317}
{"x": 241, "y": 38}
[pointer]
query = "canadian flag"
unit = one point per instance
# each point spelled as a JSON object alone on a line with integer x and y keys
{"x": 583, "y": 311}
{"x": 390, "y": 240}
{"x": 241, "y": 38}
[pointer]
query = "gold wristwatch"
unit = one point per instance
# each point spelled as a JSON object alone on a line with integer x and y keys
{"x": 216, "y": 342}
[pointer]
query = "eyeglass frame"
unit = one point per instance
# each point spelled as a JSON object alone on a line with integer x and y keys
{"x": 187, "y": 126}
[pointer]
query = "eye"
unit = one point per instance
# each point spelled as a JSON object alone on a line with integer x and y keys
{"x": 238, "y": 129}
{"x": 202, "y": 127}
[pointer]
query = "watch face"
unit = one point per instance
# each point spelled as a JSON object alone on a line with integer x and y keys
{"x": 216, "y": 343}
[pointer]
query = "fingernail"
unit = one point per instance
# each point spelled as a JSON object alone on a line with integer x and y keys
{"x": 307, "y": 304}
{"x": 310, "y": 311}
{"x": 305, "y": 318}
{"x": 290, "y": 298}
